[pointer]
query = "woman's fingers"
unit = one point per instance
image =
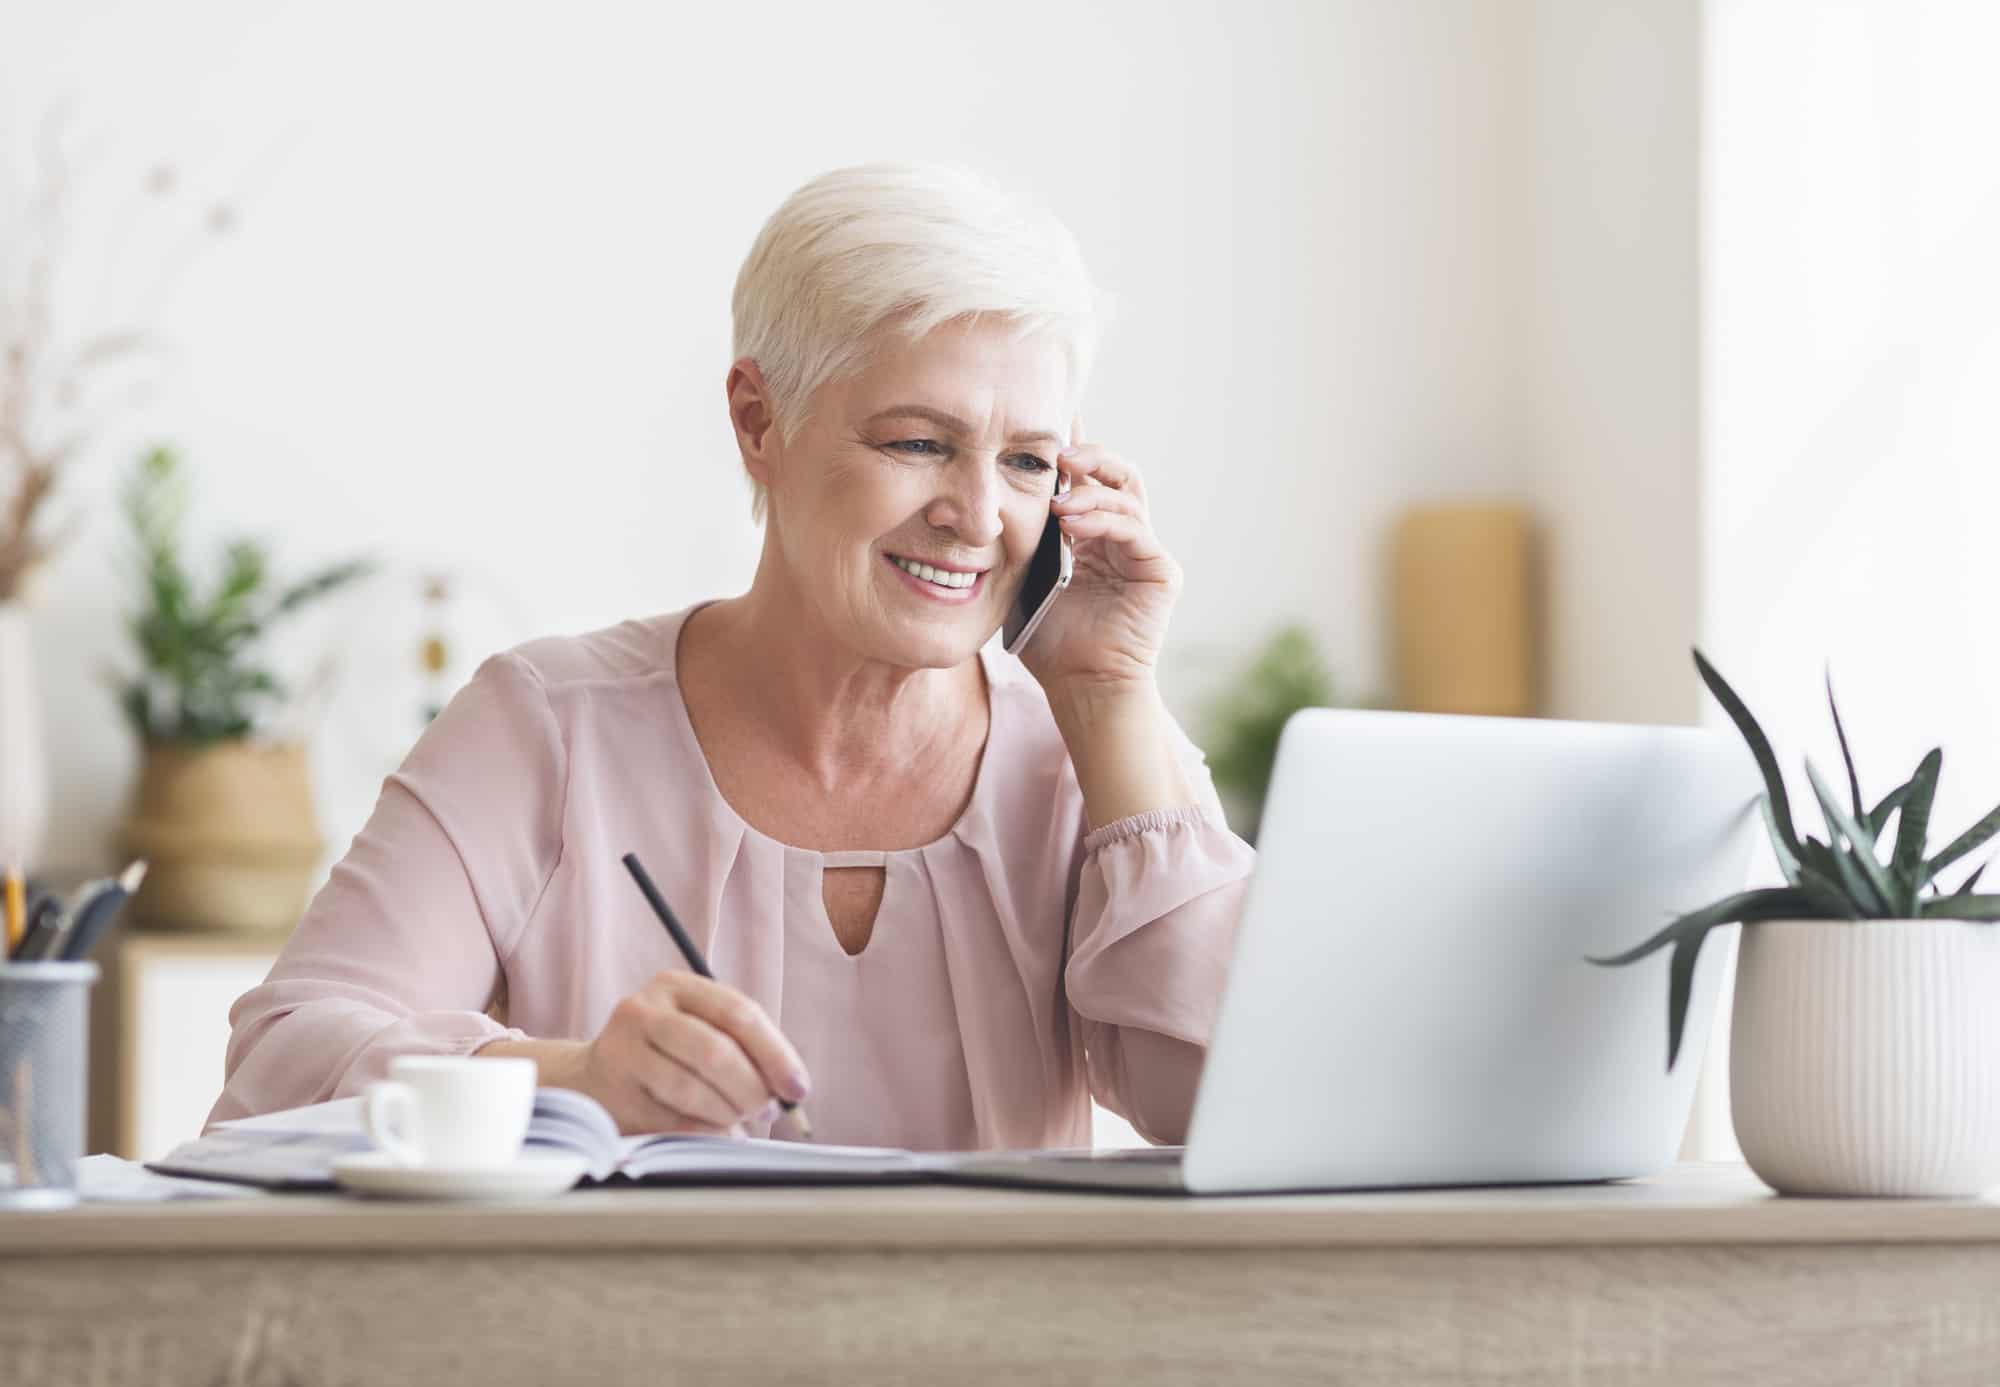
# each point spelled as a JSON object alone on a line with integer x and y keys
{"x": 698, "y": 1051}
{"x": 1136, "y": 539}
{"x": 688, "y": 1097}
{"x": 682, "y": 1055}
{"x": 1105, "y": 468}
{"x": 635, "y": 1081}
{"x": 693, "y": 1092}
{"x": 1084, "y": 499}
{"x": 729, "y": 1011}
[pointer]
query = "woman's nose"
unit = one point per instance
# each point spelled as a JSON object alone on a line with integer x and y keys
{"x": 970, "y": 508}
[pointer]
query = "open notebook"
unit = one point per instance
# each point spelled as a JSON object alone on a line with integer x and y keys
{"x": 296, "y": 1148}
{"x": 566, "y": 1120}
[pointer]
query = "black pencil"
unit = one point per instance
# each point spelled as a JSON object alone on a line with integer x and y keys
{"x": 43, "y": 927}
{"x": 92, "y": 917}
{"x": 692, "y": 953}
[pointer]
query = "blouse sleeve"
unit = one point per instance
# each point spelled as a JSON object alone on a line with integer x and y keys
{"x": 1151, "y": 937}
{"x": 402, "y": 950}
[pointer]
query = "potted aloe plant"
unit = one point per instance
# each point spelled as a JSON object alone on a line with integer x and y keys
{"x": 1865, "y": 1029}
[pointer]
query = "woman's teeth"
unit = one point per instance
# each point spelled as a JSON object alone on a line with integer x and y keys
{"x": 938, "y": 576}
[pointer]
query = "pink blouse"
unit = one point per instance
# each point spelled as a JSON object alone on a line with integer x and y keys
{"x": 1017, "y": 966}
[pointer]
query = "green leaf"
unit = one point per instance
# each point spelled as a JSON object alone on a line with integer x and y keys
{"x": 1830, "y": 899}
{"x": 1764, "y": 903}
{"x": 1844, "y": 877}
{"x": 245, "y": 566}
{"x": 1687, "y": 935}
{"x": 321, "y": 583}
{"x": 1908, "y": 860}
{"x": 137, "y": 706}
{"x": 1846, "y": 756}
{"x": 1985, "y": 907}
{"x": 1680, "y": 986}
{"x": 1965, "y": 887}
{"x": 1878, "y": 817}
{"x": 1788, "y": 861}
{"x": 1968, "y": 841}
{"x": 1760, "y": 747}
{"x": 1839, "y": 821}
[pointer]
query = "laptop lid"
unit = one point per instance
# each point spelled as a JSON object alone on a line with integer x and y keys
{"x": 1410, "y": 1002}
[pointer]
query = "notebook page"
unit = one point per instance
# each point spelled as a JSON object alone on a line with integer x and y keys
{"x": 567, "y": 1120}
{"x": 670, "y": 1154}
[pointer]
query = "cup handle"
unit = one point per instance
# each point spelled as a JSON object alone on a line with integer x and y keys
{"x": 389, "y": 1104}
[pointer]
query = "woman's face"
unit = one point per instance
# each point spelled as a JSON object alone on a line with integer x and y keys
{"x": 940, "y": 452}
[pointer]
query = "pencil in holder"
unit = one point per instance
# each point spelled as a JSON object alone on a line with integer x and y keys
{"x": 44, "y": 1081}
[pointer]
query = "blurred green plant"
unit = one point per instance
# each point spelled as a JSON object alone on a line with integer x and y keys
{"x": 201, "y": 678}
{"x": 1244, "y": 721}
{"x": 1840, "y": 878}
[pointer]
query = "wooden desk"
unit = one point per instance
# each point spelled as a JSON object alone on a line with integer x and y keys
{"x": 1701, "y": 1276}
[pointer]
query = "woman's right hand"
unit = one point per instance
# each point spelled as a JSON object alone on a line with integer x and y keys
{"x": 688, "y": 1054}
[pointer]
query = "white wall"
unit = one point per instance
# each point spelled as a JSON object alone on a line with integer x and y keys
{"x": 476, "y": 312}
{"x": 1851, "y": 449}
{"x": 1606, "y": 349}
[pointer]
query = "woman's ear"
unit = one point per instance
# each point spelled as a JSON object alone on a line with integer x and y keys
{"x": 755, "y": 422}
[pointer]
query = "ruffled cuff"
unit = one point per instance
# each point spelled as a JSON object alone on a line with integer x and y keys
{"x": 1118, "y": 830}
{"x": 1155, "y": 923}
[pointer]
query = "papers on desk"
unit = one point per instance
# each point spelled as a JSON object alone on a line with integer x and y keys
{"x": 104, "y": 1179}
{"x": 290, "y": 1150}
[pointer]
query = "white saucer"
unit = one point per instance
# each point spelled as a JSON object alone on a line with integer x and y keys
{"x": 532, "y": 1175}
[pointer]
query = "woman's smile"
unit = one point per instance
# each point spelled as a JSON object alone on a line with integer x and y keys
{"x": 954, "y": 586}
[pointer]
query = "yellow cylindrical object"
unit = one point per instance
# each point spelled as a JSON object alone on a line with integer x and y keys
{"x": 1464, "y": 629}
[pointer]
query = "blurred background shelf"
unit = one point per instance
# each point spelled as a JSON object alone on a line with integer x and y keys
{"x": 159, "y": 1029}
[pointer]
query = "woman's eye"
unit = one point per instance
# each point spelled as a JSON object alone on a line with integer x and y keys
{"x": 930, "y": 447}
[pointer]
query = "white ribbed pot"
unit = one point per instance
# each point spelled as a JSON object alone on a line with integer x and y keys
{"x": 1865, "y": 1056}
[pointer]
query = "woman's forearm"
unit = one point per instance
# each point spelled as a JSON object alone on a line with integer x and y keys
{"x": 1120, "y": 742}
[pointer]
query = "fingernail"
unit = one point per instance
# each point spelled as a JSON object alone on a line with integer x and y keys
{"x": 768, "y": 1113}
{"x": 797, "y": 1086}
{"x": 1068, "y": 452}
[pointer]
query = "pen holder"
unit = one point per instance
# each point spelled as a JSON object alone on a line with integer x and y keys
{"x": 44, "y": 1080}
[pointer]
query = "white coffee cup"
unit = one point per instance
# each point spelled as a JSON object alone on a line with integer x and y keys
{"x": 452, "y": 1110}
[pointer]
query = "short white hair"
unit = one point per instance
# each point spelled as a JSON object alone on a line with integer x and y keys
{"x": 913, "y": 245}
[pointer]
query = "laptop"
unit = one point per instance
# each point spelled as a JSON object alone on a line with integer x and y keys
{"x": 1410, "y": 1003}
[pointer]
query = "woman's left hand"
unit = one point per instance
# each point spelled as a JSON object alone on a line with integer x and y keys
{"x": 1106, "y": 630}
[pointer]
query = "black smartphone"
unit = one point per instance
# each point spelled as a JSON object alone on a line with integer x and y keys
{"x": 1048, "y": 574}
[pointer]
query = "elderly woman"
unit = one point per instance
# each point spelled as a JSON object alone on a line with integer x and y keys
{"x": 950, "y": 893}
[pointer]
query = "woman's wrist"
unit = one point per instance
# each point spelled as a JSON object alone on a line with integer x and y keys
{"x": 1120, "y": 740}
{"x": 558, "y": 1063}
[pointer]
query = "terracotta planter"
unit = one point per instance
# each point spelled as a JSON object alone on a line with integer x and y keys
{"x": 230, "y": 834}
{"x": 1865, "y": 1056}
